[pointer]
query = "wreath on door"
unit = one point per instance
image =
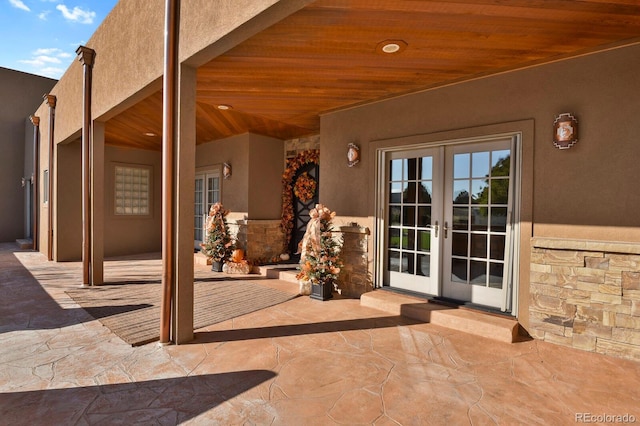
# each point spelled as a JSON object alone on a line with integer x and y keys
{"x": 305, "y": 187}
{"x": 293, "y": 164}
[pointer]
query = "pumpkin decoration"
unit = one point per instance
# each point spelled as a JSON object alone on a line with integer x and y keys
{"x": 237, "y": 256}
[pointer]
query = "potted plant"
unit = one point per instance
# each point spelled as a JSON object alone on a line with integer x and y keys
{"x": 320, "y": 261}
{"x": 217, "y": 245}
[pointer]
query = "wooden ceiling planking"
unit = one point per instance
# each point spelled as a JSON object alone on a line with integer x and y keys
{"x": 324, "y": 58}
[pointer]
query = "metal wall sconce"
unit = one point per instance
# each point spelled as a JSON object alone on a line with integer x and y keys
{"x": 226, "y": 170}
{"x": 353, "y": 154}
{"x": 565, "y": 131}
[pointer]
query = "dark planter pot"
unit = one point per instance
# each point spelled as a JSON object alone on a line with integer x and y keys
{"x": 321, "y": 292}
{"x": 216, "y": 266}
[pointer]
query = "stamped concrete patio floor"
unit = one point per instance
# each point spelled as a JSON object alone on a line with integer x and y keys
{"x": 302, "y": 362}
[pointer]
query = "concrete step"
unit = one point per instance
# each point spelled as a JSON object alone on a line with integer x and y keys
{"x": 200, "y": 259}
{"x": 25, "y": 243}
{"x": 284, "y": 272}
{"x": 474, "y": 322}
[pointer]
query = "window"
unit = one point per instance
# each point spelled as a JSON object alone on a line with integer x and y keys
{"x": 45, "y": 187}
{"x": 132, "y": 190}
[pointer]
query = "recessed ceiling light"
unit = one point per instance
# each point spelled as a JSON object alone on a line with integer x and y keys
{"x": 391, "y": 46}
{"x": 150, "y": 134}
{"x": 224, "y": 107}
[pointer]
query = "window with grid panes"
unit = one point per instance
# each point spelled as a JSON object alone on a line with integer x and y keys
{"x": 132, "y": 190}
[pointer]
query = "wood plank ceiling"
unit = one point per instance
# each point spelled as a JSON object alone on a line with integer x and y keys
{"x": 327, "y": 56}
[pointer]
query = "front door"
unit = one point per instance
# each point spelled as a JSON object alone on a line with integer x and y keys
{"x": 305, "y": 197}
{"x": 448, "y": 221}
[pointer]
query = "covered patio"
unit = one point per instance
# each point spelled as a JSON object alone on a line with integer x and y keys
{"x": 299, "y": 362}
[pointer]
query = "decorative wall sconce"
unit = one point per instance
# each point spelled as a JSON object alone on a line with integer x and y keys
{"x": 226, "y": 170}
{"x": 353, "y": 154}
{"x": 565, "y": 131}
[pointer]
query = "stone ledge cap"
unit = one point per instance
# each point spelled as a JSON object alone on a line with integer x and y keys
{"x": 585, "y": 245}
{"x": 354, "y": 229}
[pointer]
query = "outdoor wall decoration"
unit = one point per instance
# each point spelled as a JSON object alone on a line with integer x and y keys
{"x": 293, "y": 164}
{"x": 226, "y": 170}
{"x": 565, "y": 131}
{"x": 353, "y": 154}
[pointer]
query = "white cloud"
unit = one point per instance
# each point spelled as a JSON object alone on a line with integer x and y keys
{"x": 49, "y": 51}
{"x": 48, "y": 61}
{"x": 52, "y": 72}
{"x": 19, "y": 4}
{"x": 43, "y": 15}
{"x": 75, "y": 15}
{"x": 38, "y": 61}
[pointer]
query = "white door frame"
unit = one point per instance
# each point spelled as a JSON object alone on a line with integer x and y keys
{"x": 382, "y": 156}
{"x": 205, "y": 174}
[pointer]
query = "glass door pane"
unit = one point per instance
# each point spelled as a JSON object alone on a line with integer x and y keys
{"x": 207, "y": 193}
{"x": 199, "y": 212}
{"x": 477, "y": 202}
{"x": 411, "y": 240}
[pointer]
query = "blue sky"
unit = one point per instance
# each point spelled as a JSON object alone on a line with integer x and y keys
{"x": 41, "y": 36}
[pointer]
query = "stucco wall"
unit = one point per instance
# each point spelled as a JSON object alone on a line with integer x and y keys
{"x": 265, "y": 177}
{"x": 21, "y": 93}
{"x": 235, "y": 151}
{"x": 253, "y": 190}
{"x": 132, "y": 234}
{"x": 43, "y": 229}
{"x": 588, "y": 191}
{"x": 68, "y": 218}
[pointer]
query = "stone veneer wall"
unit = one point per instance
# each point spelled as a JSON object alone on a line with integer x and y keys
{"x": 293, "y": 147}
{"x": 586, "y": 295}
{"x": 260, "y": 239}
{"x": 355, "y": 279}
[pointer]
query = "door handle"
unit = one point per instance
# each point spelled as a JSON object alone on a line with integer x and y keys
{"x": 446, "y": 229}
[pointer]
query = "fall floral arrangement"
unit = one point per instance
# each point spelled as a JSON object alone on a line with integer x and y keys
{"x": 305, "y": 187}
{"x": 320, "y": 261}
{"x": 217, "y": 244}
{"x": 293, "y": 164}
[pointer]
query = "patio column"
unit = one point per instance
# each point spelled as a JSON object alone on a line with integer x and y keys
{"x": 86, "y": 57}
{"x": 184, "y": 205}
{"x": 178, "y": 161}
{"x": 97, "y": 203}
{"x": 35, "y": 180}
{"x": 51, "y": 102}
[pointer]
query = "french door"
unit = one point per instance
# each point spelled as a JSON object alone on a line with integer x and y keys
{"x": 414, "y": 216}
{"x": 207, "y": 193}
{"x": 448, "y": 221}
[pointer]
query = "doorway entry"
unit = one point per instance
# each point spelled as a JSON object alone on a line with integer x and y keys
{"x": 207, "y": 193}
{"x": 447, "y": 220}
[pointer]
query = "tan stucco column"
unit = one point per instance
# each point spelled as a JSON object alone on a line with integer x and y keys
{"x": 35, "y": 181}
{"x": 178, "y": 176}
{"x": 51, "y": 102}
{"x": 185, "y": 174}
{"x": 86, "y": 57}
{"x": 97, "y": 203}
